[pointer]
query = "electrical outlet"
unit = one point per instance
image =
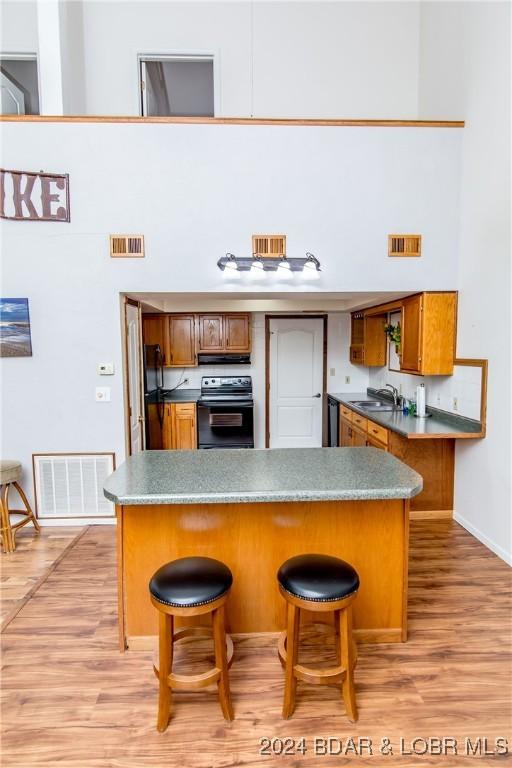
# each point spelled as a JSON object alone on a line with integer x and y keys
{"x": 102, "y": 394}
{"x": 347, "y": 379}
{"x": 332, "y": 371}
{"x": 455, "y": 403}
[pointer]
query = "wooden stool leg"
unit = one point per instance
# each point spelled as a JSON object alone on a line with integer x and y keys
{"x": 348, "y": 661}
{"x": 292, "y": 652}
{"x": 221, "y": 662}
{"x": 337, "y": 641}
{"x": 7, "y": 538}
{"x": 27, "y": 506}
{"x": 165, "y": 653}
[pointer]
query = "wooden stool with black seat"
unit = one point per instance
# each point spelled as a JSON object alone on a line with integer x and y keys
{"x": 13, "y": 519}
{"x": 192, "y": 586}
{"x": 318, "y": 583}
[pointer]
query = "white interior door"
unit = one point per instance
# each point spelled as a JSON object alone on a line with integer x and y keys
{"x": 296, "y": 382}
{"x": 134, "y": 378}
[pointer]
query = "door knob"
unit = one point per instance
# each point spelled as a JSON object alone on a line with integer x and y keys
{"x": 318, "y": 394}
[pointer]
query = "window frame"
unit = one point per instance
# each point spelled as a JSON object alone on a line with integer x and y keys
{"x": 26, "y": 56}
{"x": 212, "y": 56}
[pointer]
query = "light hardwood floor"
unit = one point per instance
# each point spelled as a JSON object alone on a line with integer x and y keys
{"x": 71, "y": 699}
{"x": 23, "y": 571}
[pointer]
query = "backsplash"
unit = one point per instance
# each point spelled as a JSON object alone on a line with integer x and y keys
{"x": 458, "y": 394}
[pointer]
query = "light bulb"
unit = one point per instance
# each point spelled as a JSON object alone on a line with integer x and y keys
{"x": 310, "y": 271}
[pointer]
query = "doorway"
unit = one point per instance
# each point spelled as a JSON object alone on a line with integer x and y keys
{"x": 296, "y": 359}
{"x": 135, "y": 416}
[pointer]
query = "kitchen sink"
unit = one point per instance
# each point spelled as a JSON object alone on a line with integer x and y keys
{"x": 375, "y": 405}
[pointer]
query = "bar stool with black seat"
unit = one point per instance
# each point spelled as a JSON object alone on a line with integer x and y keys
{"x": 13, "y": 519}
{"x": 191, "y": 586}
{"x": 318, "y": 583}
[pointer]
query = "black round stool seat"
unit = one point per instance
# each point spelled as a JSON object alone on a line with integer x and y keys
{"x": 320, "y": 578}
{"x": 190, "y": 581}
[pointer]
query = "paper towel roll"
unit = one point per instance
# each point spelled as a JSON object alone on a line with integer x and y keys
{"x": 420, "y": 401}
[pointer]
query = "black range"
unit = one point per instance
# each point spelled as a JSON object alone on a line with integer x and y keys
{"x": 225, "y": 412}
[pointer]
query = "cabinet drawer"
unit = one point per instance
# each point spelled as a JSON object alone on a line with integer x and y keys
{"x": 185, "y": 407}
{"x": 378, "y": 432}
{"x": 360, "y": 421}
{"x": 346, "y": 412}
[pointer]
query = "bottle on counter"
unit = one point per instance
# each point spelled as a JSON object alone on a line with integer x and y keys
{"x": 420, "y": 401}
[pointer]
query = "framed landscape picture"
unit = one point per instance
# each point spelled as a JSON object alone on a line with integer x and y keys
{"x": 15, "y": 338}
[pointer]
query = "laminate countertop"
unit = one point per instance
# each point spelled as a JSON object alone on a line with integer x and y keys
{"x": 438, "y": 425}
{"x": 262, "y": 475}
{"x": 181, "y": 395}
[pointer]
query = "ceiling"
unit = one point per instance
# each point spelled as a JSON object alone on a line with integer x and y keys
{"x": 263, "y": 302}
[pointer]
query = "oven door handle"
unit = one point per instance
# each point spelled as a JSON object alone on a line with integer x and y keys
{"x": 224, "y": 404}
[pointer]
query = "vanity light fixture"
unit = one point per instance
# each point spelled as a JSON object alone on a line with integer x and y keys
{"x": 258, "y": 264}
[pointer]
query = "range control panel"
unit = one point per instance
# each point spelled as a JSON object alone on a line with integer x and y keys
{"x": 226, "y": 382}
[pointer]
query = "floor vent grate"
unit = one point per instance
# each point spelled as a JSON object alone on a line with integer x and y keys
{"x": 71, "y": 485}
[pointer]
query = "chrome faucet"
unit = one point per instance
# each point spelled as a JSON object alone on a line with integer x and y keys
{"x": 394, "y": 392}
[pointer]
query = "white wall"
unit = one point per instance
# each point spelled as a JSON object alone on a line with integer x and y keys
{"x": 284, "y": 59}
{"x": 464, "y": 386}
{"x": 18, "y": 27}
{"x": 465, "y": 70}
{"x": 195, "y": 192}
{"x": 328, "y": 59}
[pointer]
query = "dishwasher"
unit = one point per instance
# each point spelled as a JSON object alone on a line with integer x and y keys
{"x": 333, "y": 423}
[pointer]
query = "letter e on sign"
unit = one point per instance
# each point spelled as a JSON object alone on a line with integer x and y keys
{"x": 28, "y": 196}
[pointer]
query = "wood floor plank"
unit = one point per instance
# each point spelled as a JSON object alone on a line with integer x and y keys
{"x": 69, "y": 698}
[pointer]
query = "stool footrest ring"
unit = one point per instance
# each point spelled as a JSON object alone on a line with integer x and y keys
{"x": 328, "y": 676}
{"x": 192, "y": 682}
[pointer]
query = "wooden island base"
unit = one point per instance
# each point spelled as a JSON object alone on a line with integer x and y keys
{"x": 253, "y": 539}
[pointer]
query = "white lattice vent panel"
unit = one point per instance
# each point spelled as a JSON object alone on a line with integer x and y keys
{"x": 70, "y": 486}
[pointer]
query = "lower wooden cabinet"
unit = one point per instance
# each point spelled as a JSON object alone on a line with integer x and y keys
{"x": 372, "y": 442}
{"x": 345, "y": 439}
{"x": 433, "y": 459}
{"x": 358, "y": 437}
{"x": 179, "y": 430}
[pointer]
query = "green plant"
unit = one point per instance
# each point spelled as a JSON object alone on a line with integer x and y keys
{"x": 394, "y": 333}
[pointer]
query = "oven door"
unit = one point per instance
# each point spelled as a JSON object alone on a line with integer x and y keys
{"x": 225, "y": 425}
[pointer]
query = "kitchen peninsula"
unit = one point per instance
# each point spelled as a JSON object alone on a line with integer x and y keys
{"x": 253, "y": 509}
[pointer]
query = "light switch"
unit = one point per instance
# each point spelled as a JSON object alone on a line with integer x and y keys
{"x": 102, "y": 394}
{"x": 332, "y": 371}
{"x": 106, "y": 369}
{"x": 347, "y": 379}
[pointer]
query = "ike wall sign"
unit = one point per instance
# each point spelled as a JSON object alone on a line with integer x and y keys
{"x": 39, "y": 196}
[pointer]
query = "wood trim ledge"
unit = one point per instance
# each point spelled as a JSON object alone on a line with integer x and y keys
{"x": 231, "y": 121}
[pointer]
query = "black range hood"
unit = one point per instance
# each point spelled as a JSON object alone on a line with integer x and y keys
{"x": 224, "y": 359}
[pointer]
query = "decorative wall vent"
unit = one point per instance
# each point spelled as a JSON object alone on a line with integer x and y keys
{"x": 127, "y": 246}
{"x": 269, "y": 245}
{"x": 404, "y": 245}
{"x": 71, "y": 485}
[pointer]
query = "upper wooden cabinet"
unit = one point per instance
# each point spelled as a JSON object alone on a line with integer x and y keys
{"x": 428, "y": 334}
{"x": 410, "y": 348}
{"x": 367, "y": 339}
{"x": 428, "y": 325}
{"x": 155, "y": 331}
{"x": 237, "y": 333}
{"x": 211, "y": 333}
{"x": 229, "y": 333}
{"x": 182, "y": 336}
{"x": 182, "y": 341}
